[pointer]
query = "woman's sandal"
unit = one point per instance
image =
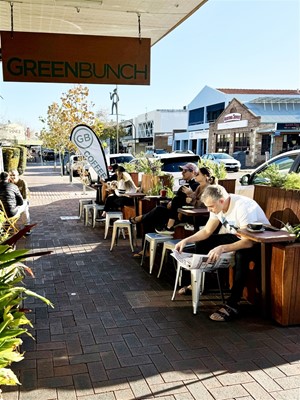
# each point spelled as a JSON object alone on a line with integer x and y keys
{"x": 225, "y": 314}
{"x": 185, "y": 290}
{"x": 140, "y": 254}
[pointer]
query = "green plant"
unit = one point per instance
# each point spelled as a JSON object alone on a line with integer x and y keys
{"x": 218, "y": 170}
{"x": 155, "y": 190}
{"x": 12, "y": 295}
{"x": 294, "y": 229}
{"x": 292, "y": 181}
{"x": 148, "y": 165}
{"x": 272, "y": 176}
{"x": 129, "y": 167}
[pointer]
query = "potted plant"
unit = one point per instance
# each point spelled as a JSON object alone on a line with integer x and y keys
{"x": 285, "y": 280}
{"x": 278, "y": 195}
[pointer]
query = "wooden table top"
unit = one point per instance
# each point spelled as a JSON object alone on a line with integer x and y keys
{"x": 193, "y": 212}
{"x": 267, "y": 236}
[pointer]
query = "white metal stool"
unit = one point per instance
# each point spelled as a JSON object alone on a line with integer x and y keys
{"x": 153, "y": 239}
{"x": 111, "y": 215}
{"x": 170, "y": 245}
{"x": 120, "y": 225}
{"x": 87, "y": 212}
{"x": 96, "y": 209}
{"x": 83, "y": 202}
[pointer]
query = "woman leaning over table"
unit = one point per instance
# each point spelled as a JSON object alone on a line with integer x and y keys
{"x": 124, "y": 184}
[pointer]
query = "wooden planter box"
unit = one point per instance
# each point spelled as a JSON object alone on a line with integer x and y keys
{"x": 228, "y": 184}
{"x": 278, "y": 204}
{"x": 285, "y": 284}
{"x": 150, "y": 181}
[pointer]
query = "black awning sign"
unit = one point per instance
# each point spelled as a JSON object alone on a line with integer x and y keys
{"x": 288, "y": 126}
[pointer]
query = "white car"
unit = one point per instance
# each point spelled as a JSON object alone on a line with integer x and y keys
{"x": 230, "y": 163}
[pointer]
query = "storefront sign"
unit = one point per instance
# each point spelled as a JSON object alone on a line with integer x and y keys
{"x": 290, "y": 126}
{"x": 44, "y": 57}
{"x": 232, "y": 117}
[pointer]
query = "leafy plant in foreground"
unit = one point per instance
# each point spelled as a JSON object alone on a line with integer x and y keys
{"x": 12, "y": 294}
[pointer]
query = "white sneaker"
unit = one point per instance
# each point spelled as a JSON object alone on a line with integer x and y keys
{"x": 189, "y": 227}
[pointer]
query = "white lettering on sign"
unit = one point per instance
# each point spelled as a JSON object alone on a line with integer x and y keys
{"x": 232, "y": 117}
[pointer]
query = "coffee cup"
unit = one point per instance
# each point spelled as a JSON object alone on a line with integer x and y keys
{"x": 255, "y": 226}
{"x": 163, "y": 193}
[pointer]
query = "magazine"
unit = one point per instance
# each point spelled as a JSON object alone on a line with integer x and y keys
{"x": 200, "y": 261}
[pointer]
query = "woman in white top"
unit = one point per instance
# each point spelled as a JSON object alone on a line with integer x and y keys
{"x": 118, "y": 199}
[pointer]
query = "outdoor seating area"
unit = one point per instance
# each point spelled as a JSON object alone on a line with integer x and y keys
{"x": 114, "y": 330}
{"x": 258, "y": 288}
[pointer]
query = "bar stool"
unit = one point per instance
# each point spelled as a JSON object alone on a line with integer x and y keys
{"x": 83, "y": 202}
{"x": 96, "y": 209}
{"x": 120, "y": 225}
{"x": 153, "y": 239}
{"x": 111, "y": 215}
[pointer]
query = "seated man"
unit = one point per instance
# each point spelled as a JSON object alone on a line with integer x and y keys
{"x": 10, "y": 196}
{"x": 233, "y": 212}
{"x": 162, "y": 219}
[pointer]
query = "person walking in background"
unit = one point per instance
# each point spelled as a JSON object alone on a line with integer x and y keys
{"x": 14, "y": 178}
{"x": 233, "y": 212}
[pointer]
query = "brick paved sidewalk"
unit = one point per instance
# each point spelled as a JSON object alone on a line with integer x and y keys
{"x": 114, "y": 333}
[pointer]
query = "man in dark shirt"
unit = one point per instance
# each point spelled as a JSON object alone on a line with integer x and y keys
{"x": 10, "y": 196}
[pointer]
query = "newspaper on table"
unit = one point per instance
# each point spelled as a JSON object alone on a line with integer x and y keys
{"x": 200, "y": 261}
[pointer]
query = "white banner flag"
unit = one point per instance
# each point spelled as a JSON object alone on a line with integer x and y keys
{"x": 90, "y": 147}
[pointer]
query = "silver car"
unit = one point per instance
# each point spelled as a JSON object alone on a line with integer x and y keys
{"x": 230, "y": 163}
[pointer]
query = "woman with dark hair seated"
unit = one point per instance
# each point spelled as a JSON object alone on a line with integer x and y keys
{"x": 160, "y": 216}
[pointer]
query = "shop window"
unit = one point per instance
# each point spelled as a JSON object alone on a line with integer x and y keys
{"x": 145, "y": 129}
{"x": 241, "y": 142}
{"x": 196, "y": 116}
{"x": 213, "y": 111}
{"x": 222, "y": 143}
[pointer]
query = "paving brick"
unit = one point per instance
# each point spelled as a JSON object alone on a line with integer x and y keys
{"x": 114, "y": 333}
{"x": 229, "y": 392}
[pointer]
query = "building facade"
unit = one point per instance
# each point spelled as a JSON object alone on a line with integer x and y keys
{"x": 277, "y": 110}
{"x": 154, "y": 129}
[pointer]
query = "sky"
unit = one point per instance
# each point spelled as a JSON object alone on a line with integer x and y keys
{"x": 240, "y": 44}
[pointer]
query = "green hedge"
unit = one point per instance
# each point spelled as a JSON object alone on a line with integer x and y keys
{"x": 11, "y": 158}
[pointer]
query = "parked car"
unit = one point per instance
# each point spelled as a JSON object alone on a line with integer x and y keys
{"x": 118, "y": 158}
{"x": 286, "y": 162}
{"x": 231, "y": 164}
{"x": 49, "y": 155}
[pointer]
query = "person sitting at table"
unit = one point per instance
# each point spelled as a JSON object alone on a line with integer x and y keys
{"x": 162, "y": 219}
{"x": 116, "y": 200}
{"x": 233, "y": 212}
{"x": 159, "y": 215}
{"x": 106, "y": 182}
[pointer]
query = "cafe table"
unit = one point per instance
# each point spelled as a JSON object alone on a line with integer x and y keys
{"x": 136, "y": 197}
{"x": 195, "y": 213}
{"x": 266, "y": 238}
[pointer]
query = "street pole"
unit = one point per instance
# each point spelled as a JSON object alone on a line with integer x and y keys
{"x": 117, "y": 129}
